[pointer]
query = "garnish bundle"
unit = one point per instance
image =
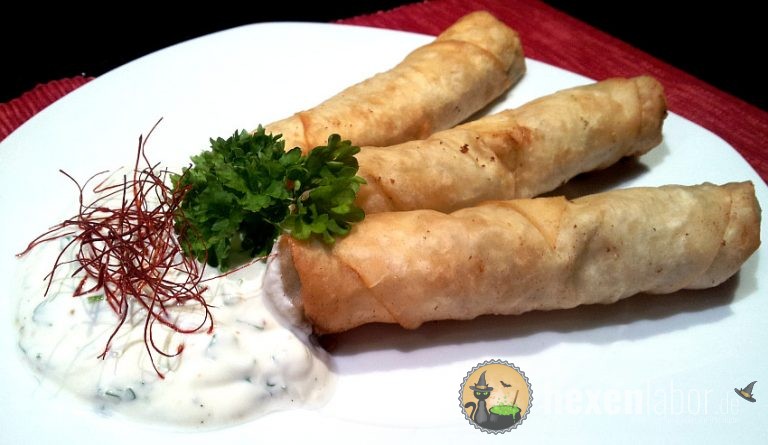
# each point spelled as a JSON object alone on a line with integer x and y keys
{"x": 124, "y": 249}
{"x": 138, "y": 241}
{"x": 247, "y": 190}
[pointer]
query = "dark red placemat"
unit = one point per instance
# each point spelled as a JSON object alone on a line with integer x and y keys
{"x": 19, "y": 110}
{"x": 554, "y": 37}
{"x": 548, "y": 35}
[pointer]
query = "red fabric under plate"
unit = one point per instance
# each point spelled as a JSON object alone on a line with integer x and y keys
{"x": 548, "y": 35}
{"x": 19, "y": 110}
{"x": 556, "y": 38}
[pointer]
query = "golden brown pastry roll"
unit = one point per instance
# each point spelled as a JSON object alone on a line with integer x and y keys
{"x": 517, "y": 153}
{"x": 435, "y": 87}
{"x": 509, "y": 257}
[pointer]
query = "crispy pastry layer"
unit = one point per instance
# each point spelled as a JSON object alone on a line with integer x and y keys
{"x": 509, "y": 257}
{"x": 517, "y": 153}
{"x": 435, "y": 87}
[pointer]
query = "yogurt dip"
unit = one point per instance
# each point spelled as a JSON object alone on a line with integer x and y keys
{"x": 252, "y": 363}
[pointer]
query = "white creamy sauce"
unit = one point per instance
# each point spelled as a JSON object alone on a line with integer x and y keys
{"x": 252, "y": 363}
{"x": 282, "y": 291}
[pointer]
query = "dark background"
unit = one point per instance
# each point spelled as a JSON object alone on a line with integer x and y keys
{"x": 721, "y": 45}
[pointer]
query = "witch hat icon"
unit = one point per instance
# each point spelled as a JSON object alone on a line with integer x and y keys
{"x": 746, "y": 392}
{"x": 481, "y": 385}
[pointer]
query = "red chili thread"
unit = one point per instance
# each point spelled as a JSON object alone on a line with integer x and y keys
{"x": 130, "y": 252}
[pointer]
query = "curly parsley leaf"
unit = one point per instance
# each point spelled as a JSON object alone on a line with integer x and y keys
{"x": 247, "y": 190}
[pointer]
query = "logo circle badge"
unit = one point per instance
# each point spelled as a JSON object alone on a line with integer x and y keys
{"x": 495, "y": 396}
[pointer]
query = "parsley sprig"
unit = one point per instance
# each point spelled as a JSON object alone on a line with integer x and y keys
{"x": 247, "y": 190}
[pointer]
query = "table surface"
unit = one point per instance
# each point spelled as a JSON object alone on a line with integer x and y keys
{"x": 548, "y": 35}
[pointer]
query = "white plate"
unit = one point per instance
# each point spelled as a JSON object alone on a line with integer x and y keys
{"x": 650, "y": 368}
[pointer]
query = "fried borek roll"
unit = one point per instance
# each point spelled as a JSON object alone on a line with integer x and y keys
{"x": 517, "y": 153}
{"x": 510, "y": 257}
{"x": 435, "y": 87}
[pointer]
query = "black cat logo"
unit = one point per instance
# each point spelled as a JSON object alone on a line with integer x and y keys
{"x": 495, "y": 396}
